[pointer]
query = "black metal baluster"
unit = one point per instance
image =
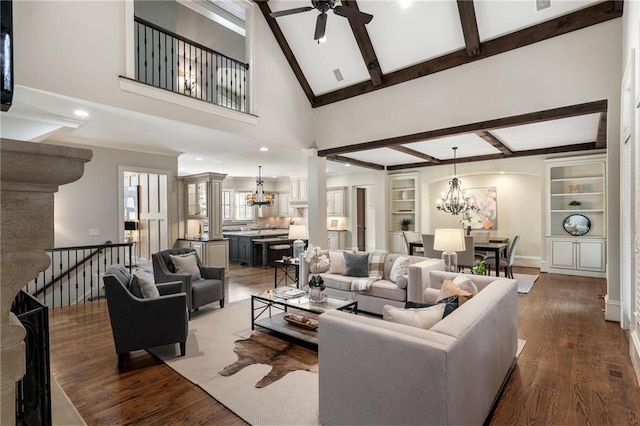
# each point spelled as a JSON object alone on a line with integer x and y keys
{"x": 68, "y": 280}
{"x": 173, "y": 63}
{"x": 76, "y": 253}
{"x": 166, "y": 83}
{"x": 137, "y": 51}
{"x": 145, "y": 54}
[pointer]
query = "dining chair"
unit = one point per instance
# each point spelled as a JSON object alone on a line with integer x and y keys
{"x": 410, "y": 237}
{"x": 467, "y": 258}
{"x": 427, "y": 246}
{"x": 506, "y": 262}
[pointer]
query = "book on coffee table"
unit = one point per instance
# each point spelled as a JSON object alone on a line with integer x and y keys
{"x": 288, "y": 292}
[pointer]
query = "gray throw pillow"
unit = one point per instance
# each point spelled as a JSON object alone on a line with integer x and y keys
{"x": 357, "y": 264}
{"x": 146, "y": 283}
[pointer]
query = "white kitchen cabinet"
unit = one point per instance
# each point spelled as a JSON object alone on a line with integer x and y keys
{"x": 337, "y": 240}
{"x": 298, "y": 191}
{"x": 336, "y": 202}
{"x": 284, "y": 208}
{"x": 270, "y": 211}
{"x": 397, "y": 243}
{"x": 211, "y": 253}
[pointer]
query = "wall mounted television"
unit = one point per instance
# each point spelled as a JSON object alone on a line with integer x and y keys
{"x": 6, "y": 53}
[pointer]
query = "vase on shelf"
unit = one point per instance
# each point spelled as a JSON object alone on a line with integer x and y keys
{"x": 404, "y": 195}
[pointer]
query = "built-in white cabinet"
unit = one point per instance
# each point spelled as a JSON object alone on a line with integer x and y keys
{"x": 578, "y": 254}
{"x": 404, "y": 203}
{"x": 211, "y": 253}
{"x": 336, "y": 202}
{"x": 298, "y": 191}
{"x": 576, "y": 215}
{"x": 202, "y": 208}
{"x": 337, "y": 240}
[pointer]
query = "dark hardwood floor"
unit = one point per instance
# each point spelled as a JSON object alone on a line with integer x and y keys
{"x": 575, "y": 368}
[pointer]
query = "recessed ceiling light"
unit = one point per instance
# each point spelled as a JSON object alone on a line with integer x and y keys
{"x": 264, "y": 149}
{"x": 80, "y": 113}
{"x": 198, "y": 159}
{"x": 322, "y": 40}
{"x": 347, "y": 165}
{"x": 501, "y": 173}
{"x": 405, "y": 3}
{"x": 274, "y": 177}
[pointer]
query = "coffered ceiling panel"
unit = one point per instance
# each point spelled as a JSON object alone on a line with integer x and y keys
{"x": 383, "y": 156}
{"x": 566, "y": 131}
{"x": 497, "y": 18}
{"x": 469, "y": 145}
{"x": 403, "y": 36}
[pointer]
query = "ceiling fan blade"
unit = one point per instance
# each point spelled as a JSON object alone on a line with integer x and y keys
{"x": 351, "y": 13}
{"x": 290, "y": 11}
{"x": 321, "y": 26}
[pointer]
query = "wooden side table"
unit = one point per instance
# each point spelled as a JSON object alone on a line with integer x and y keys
{"x": 285, "y": 273}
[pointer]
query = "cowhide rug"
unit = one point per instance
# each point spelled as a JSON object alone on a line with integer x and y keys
{"x": 283, "y": 357}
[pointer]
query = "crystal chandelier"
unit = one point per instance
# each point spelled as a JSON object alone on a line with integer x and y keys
{"x": 455, "y": 201}
{"x": 260, "y": 198}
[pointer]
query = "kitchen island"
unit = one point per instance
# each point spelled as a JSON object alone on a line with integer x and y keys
{"x": 244, "y": 246}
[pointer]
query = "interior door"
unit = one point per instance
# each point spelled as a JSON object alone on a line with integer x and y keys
{"x": 361, "y": 229}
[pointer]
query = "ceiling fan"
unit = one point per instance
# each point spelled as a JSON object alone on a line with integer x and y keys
{"x": 323, "y": 6}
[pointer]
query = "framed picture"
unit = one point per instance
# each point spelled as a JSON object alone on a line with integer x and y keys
{"x": 486, "y": 199}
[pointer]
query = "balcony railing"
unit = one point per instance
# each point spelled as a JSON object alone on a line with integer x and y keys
{"x": 172, "y": 62}
{"x": 75, "y": 273}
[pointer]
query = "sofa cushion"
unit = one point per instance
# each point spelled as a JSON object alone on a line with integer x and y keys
{"x": 465, "y": 283}
{"x": 400, "y": 268}
{"x": 357, "y": 264}
{"x": 145, "y": 285}
{"x": 187, "y": 264}
{"x": 337, "y": 281}
{"x": 450, "y": 289}
{"x": 337, "y": 263}
{"x": 385, "y": 289}
{"x": 421, "y": 317}
{"x": 451, "y": 303}
{"x": 403, "y": 281}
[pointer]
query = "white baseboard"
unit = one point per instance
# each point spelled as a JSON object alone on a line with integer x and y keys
{"x": 612, "y": 309}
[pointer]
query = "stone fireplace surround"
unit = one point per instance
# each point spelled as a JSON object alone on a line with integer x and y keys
{"x": 30, "y": 174}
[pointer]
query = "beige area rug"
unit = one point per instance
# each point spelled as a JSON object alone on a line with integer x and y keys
{"x": 290, "y": 400}
{"x": 525, "y": 282}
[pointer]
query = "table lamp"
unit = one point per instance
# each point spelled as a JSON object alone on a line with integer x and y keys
{"x": 129, "y": 227}
{"x": 298, "y": 233}
{"x": 449, "y": 241}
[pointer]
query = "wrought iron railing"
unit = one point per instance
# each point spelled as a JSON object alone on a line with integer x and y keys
{"x": 169, "y": 61}
{"x": 75, "y": 273}
{"x": 33, "y": 391}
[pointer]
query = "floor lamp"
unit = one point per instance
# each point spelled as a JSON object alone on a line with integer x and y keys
{"x": 449, "y": 241}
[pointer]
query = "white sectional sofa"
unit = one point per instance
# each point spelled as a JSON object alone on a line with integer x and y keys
{"x": 384, "y": 291}
{"x": 378, "y": 372}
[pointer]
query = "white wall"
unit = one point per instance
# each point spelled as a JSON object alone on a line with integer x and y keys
{"x": 78, "y": 49}
{"x": 93, "y": 201}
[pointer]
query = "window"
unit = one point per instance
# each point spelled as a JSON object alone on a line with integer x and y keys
{"x": 243, "y": 212}
{"x": 226, "y": 205}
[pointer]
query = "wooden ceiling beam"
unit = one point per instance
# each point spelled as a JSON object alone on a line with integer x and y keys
{"x": 364, "y": 44}
{"x": 589, "y": 146}
{"x": 341, "y": 159}
{"x": 286, "y": 50}
{"x": 516, "y": 120}
{"x": 469, "y": 24}
{"x": 494, "y": 142}
{"x": 596, "y": 14}
{"x": 601, "y": 141}
{"x": 415, "y": 153}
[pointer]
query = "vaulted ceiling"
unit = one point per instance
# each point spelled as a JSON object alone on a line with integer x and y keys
{"x": 426, "y": 37}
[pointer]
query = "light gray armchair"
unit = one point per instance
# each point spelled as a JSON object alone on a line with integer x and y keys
{"x": 210, "y": 288}
{"x": 144, "y": 323}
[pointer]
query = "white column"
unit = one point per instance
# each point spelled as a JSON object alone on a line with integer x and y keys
{"x": 30, "y": 174}
{"x": 317, "y": 199}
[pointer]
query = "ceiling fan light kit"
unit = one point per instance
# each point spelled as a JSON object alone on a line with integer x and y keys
{"x": 323, "y": 6}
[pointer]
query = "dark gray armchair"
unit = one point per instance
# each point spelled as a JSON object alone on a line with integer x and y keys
{"x": 210, "y": 288}
{"x": 144, "y": 323}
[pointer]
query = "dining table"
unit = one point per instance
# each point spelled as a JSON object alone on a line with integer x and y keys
{"x": 497, "y": 246}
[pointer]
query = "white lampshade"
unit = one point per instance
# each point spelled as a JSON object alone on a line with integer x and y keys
{"x": 298, "y": 232}
{"x": 449, "y": 240}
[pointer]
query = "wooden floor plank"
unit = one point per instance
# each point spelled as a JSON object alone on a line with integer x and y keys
{"x": 575, "y": 368}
